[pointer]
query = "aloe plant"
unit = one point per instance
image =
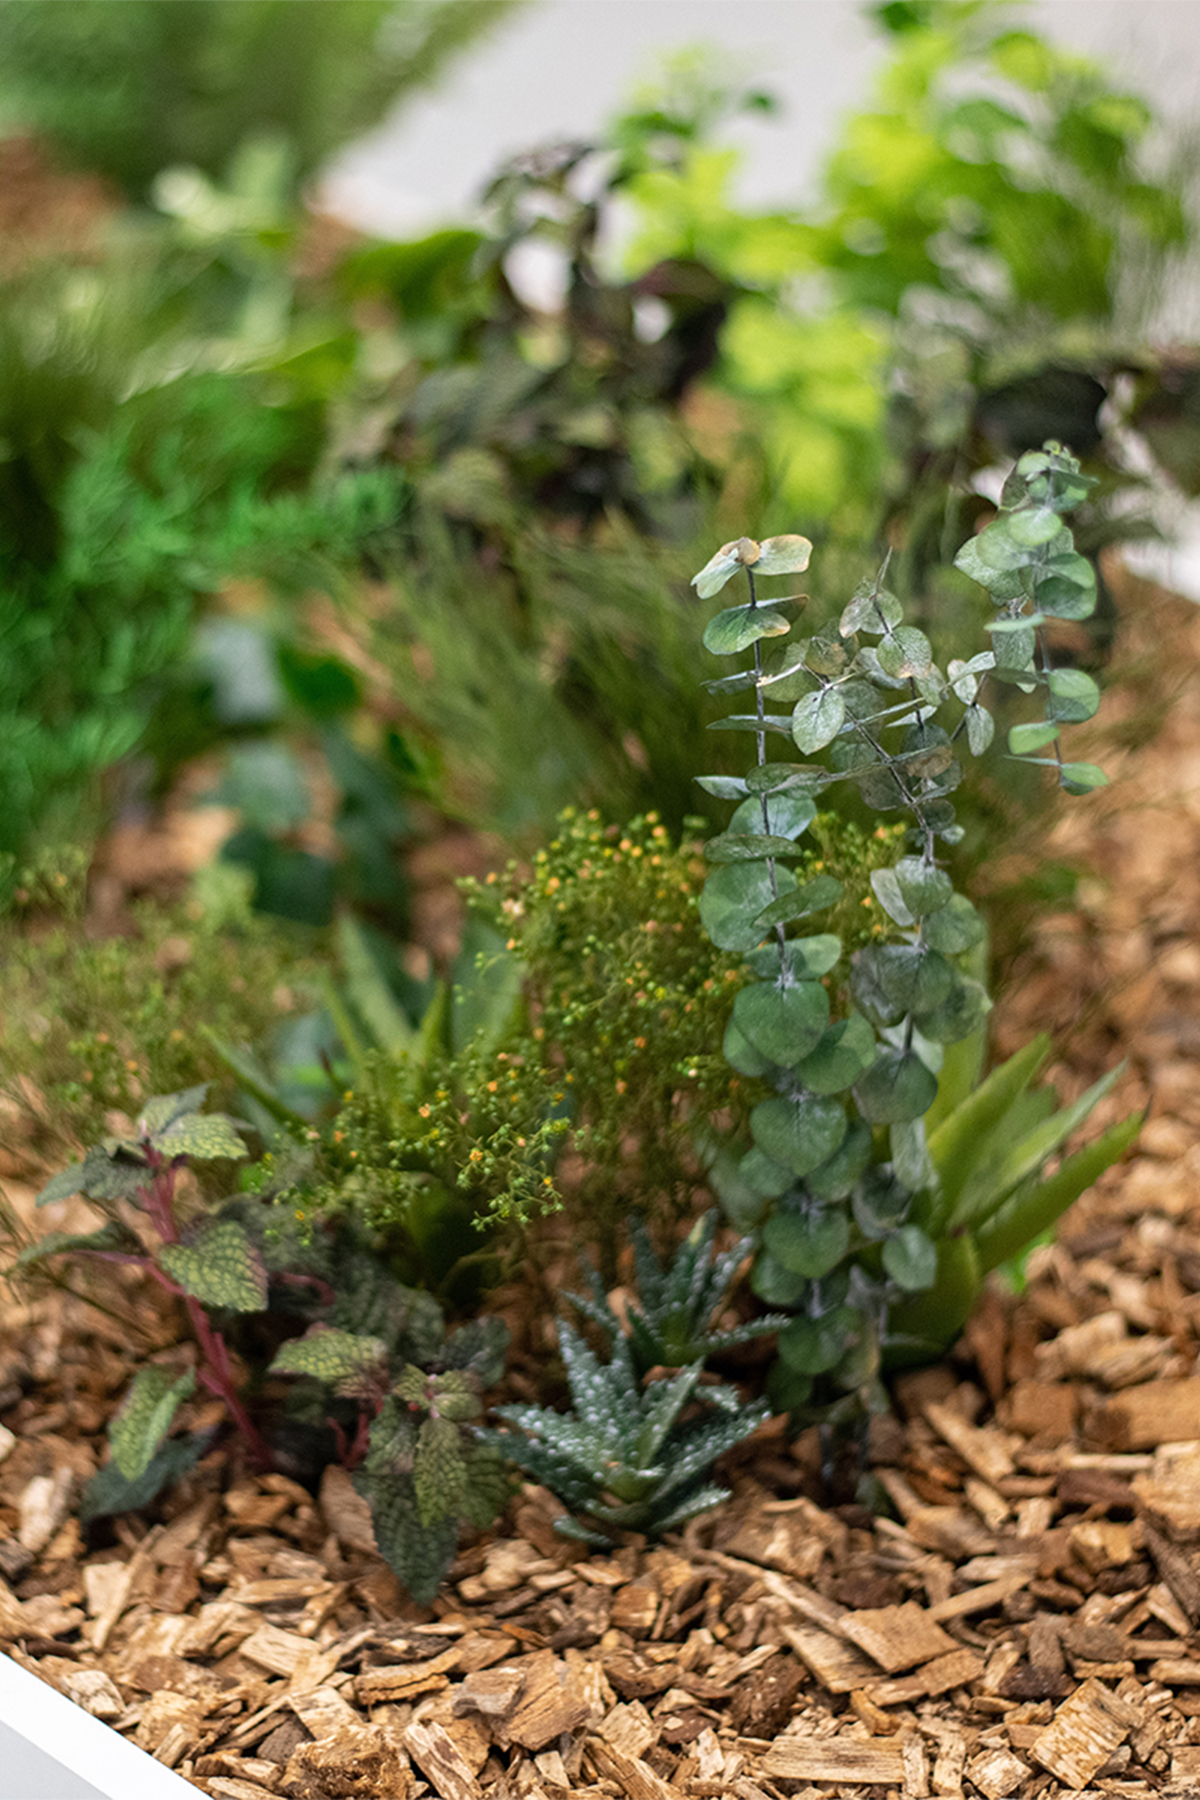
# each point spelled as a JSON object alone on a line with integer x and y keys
{"x": 670, "y": 1322}
{"x": 630, "y": 1455}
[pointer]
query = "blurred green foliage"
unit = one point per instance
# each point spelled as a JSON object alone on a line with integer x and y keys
{"x": 986, "y": 244}
{"x": 127, "y": 88}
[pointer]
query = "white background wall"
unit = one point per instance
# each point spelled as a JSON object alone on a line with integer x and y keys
{"x": 560, "y": 68}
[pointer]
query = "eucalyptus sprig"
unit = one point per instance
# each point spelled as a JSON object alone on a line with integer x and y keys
{"x": 838, "y": 1181}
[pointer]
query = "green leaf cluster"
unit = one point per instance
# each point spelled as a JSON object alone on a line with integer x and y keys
{"x": 426, "y": 1472}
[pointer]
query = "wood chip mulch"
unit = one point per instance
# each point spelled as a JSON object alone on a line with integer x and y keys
{"x": 1026, "y": 1624}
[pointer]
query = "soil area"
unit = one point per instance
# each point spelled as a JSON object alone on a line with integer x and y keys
{"x": 1027, "y": 1624}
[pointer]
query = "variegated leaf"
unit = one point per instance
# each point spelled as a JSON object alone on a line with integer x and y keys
{"x": 219, "y": 1266}
{"x": 144, "y": 1417}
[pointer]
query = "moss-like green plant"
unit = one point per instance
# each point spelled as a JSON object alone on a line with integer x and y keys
{"x": 629, "y": 995}
{"x": 98, "y": 1024}
{"x": 852, "y": 1209}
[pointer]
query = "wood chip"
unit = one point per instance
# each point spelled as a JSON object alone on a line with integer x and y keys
{"x": 897, "y": 1637}
{"x": 633, "y": 1777}
{"x": 276, "y": 1650}
{"x": 958, "y": 1668}
{"x": 997, "y": 1773}
{"x": 835, "y": 1663}
{"x": 363, "y": 1762}
{"x": 630, "y": 1728}
{"x": 985, "y": 1451}
{"x": 1083, "y": 1734}
{"x": 833, "y": 1759}
{"x": 442, "y": 1765}
{"x": 1141, "y": 1418}
{"x": 548, "y": 1705}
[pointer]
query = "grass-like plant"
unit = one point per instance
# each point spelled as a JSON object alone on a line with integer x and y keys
{"x": 854, "y": 1209}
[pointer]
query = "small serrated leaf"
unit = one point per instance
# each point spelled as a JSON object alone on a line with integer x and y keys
{"x": 113, "y": 1236}
{"x": 164, "y": 1109}
{"x": 144, "y": 1417}
{"x": 205, "y": 1137}
{"x": 344, "y": 1361}
{"x": 219, "y": 1266}
{"x": 64, "y": 1185}
{"x": 439, "y": 1471}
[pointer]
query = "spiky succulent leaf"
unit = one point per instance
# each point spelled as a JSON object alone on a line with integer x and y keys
{"x": 144, "y": 1417}
{"x": 219, "y": 1266}
{"x": 352, "y": 1366}
{"x": 479, "y": 1347}
{"x": 539, "y": 1460}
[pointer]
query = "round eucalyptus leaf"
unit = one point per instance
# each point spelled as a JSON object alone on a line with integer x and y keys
{"x": 889, "y": 980}
{"x": 963, "y": 1011}
{"x": 805, "y": 959}
{"x": 981, "y": 729}
{"x": 880, "y": 1204}
{"x": 764, "y": 1178}
{"x": 872, "y": 609}
{"x": 732, "y": 899}
{"x": 788, "y": 814}
{"x": 774, "y": 1284}
{"x": 810, "y": 1346}
{"x": 1081, "y": 777}
{"x": 741, "y": 1054}
{"x": 910, "y": 1258}
{"x": 836, "y": 1178}
{"x": 1035, "y": 736}
{"x": 722, "y": 787}
{"x": 784, "y": 555}
{"x": 845, "y": 1051}
{"x": 924, "y": 886}
{"x": 801, "y": 1133}
{"x": 896, "y": 1087}
{"x": 954, "y": 928}
{"x": 1032, "y": 526}
{"x": 747, "y": 846}
{"x": 817, "y": 719}
{"x": 784, "y": 1023}
{"x": 740, "y": 626}
{"x": 1074, "y": 696}
{"x": 905, "y": 652}
{"x": 886, "y": 889}
{"x": 808, "y": 1243}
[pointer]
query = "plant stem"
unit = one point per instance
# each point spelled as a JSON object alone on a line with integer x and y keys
{"x": 217, "y": 1375}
